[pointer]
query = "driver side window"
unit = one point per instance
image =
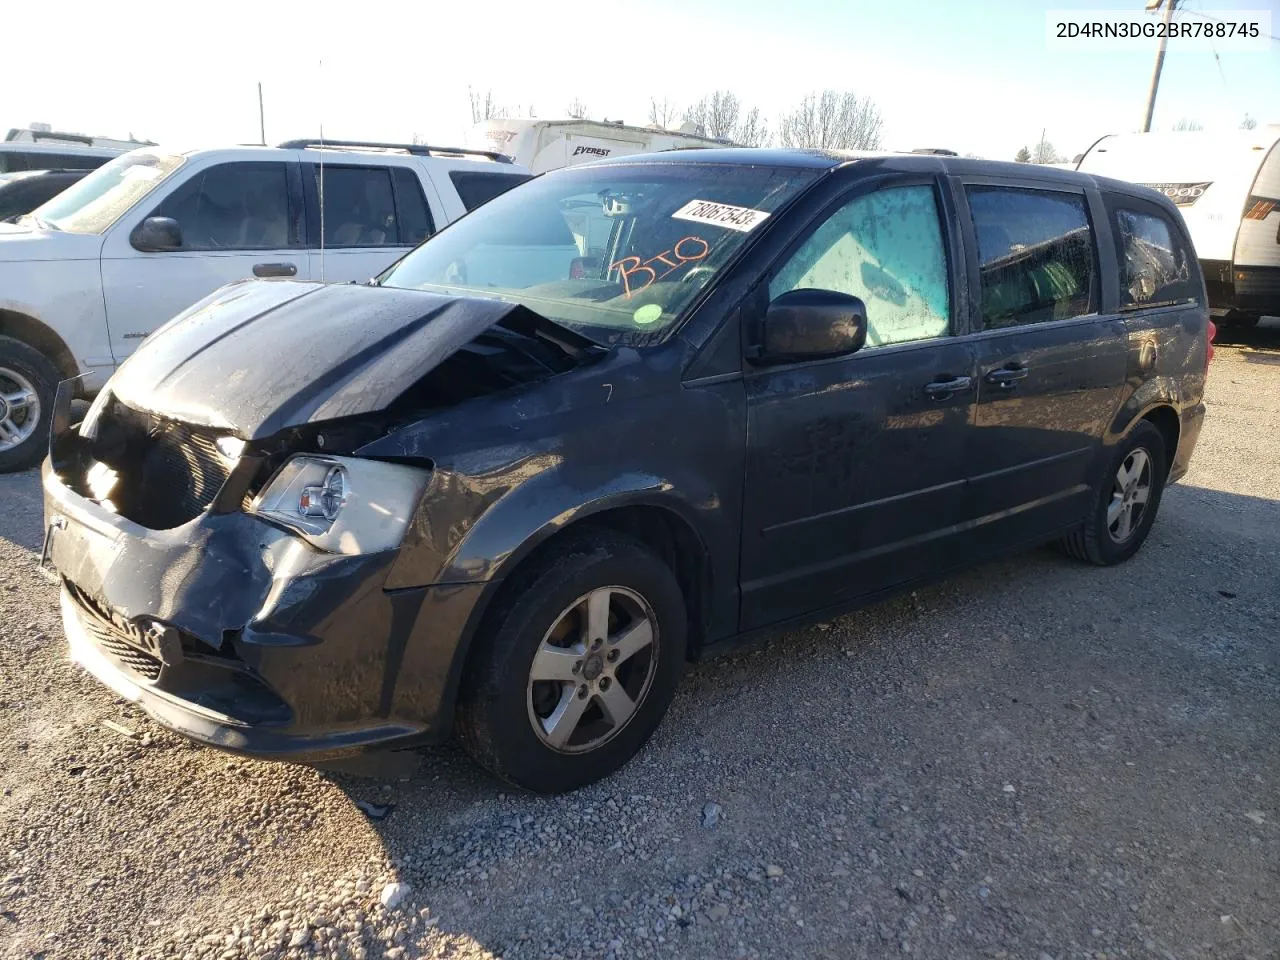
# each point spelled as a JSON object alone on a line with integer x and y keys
{"x": 232, "y": 206}
{"x": 886, "y": 248}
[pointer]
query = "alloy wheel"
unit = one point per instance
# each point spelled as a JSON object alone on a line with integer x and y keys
{"x": 593, "y": 669}
{"x": 19, "y": 409}
{"x": 1130, "y": 492}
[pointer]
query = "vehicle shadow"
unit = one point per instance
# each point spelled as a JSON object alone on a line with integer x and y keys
{"x": 885, "y": 736}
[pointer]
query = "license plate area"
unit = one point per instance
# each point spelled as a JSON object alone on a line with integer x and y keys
{"x": 144, "y": 645}
{"x": 79, "y": 554}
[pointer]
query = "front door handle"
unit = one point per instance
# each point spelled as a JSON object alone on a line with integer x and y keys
{"x": 1006, "y": 378}
{"x": 942, "y": 389}
{"x": 275, "y": 270}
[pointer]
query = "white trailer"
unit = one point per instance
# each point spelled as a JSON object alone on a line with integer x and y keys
{"x": 542, "y": 145}
{"x": 1227, "y": 186}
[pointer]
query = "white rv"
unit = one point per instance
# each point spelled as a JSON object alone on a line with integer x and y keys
{"x": 1227, "y": 186}
{"x": 542, "y": 145}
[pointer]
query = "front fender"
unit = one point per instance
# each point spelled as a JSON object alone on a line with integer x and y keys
{"x": 64, "y": 297}
{"x": 467, "y": 532}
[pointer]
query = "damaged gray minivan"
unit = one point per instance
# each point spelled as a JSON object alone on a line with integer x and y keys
{"x": 627, "y": 414}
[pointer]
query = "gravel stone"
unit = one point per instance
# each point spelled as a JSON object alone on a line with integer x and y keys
{"x": 864, "y": 763}
{"x": 710, "y": 815}
{"x": 393, "y": 894}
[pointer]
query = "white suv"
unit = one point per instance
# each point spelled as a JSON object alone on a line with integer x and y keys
{"x": 86, "y": 276}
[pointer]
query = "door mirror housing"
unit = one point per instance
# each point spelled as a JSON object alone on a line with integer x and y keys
{"x": 812, "y": 325}
{"x": 156, "y": 235}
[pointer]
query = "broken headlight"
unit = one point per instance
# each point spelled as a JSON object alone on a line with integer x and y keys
{"x": 343, "y": 504}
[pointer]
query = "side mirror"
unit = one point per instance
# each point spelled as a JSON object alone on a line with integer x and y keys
{"x": 811, "y": 325}
{"x": 156, "y": 235}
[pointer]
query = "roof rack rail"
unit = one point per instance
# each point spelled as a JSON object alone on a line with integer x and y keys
{"x": 35, "y": 135}
{"x": 417, "y": 149}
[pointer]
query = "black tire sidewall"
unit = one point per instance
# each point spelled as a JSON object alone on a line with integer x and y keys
{"x": 16, "y": 355}
{"x": 1143, "y": 435}
{"x": 514, "y": 750}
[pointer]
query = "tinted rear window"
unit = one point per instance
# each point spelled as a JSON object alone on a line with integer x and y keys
{"x": 1154, "y": 264}
{"x": 1036, "y": 255}
{"x": 479, "y": 188}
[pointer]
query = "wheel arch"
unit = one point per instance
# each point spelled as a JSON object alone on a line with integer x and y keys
{"x": 663, "y": 524}
{"x": 1165, "y": 419}
{"x": 1158, "y": 401}
{"x": 39, "y": 336}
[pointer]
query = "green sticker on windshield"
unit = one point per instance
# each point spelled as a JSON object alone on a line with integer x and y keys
{"x": 649, "y": 313}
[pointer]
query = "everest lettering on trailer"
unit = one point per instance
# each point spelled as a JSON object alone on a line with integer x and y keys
{"x": 742, "y": 219}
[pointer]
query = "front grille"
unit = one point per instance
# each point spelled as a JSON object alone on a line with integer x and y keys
{"x": 105, "y": 634}
{"x": 143, "y": 664}
{"x": 181, "y": 473}
{"x": 166, "y": 473}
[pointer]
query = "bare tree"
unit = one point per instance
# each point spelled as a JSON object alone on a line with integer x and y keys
{"x": 751, "y": 131}
{"x": 1248, "y": 123}
{"x": 1046, "y": 153}
{"x": 662, "y": 114}
{"x": 715, "y": 115}
{"x": 1187, "y": 125}
{"x": 576, "y": 110}
{"x": 483, "y": 107}
{"x": 832, "y": 119}
{"x": 720, "y": 115}
{"x": 1022, "y": 156}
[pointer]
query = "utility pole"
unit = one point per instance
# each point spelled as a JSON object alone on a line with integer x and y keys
{"x": 262, "y": 124}
{"x": 1164, "y": 41}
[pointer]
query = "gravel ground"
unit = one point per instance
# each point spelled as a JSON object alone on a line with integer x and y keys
{"x": 1036, "y": 759}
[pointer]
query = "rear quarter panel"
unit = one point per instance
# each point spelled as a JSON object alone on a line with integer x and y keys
{"x": 1166, "y": 345}
{"x": 1165, "y": 368}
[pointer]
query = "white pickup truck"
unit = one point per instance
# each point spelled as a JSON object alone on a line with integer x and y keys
{"x": 85, "y": 277}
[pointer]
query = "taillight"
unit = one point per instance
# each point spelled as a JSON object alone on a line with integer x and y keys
{"x": 1213, "y": 332}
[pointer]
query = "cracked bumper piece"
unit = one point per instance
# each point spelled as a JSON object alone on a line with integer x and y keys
{"x": 241, "y": 636}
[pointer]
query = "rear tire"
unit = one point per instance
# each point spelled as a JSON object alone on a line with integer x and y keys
{"x": 575, "y": 669}
{"x": 30, "y": 381}
{"x": 1124, "y": 502}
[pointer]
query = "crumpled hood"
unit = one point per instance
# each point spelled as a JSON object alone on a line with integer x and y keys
{"x": 256, "y": 357}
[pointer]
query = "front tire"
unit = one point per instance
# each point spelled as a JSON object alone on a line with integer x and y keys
{"x": 574, "y": 670}
{"x": 28, "y": 383}
{"x": 1124, "y": 502}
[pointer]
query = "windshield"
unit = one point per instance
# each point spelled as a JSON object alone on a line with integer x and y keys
{"x": 100, "y": 199}
{"x": 621, "y": 250}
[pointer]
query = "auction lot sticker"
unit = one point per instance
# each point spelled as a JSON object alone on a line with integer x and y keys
{"x": 742, "y": 219}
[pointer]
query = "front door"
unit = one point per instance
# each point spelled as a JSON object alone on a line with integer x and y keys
{"x": 238, "y": 220}
{"x": 855, "y": 464}
{"x": 1050, "y": 363}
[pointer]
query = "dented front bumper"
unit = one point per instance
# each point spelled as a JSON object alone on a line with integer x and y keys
{"x": 240, "y": 635}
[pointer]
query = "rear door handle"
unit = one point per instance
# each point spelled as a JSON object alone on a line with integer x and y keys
{"x": 1006, "y": 378}
{"x": 941, "y": 389}
{"x": 275, "y": 270}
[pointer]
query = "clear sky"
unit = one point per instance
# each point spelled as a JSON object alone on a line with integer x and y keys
{"x": 975, "y": 77}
